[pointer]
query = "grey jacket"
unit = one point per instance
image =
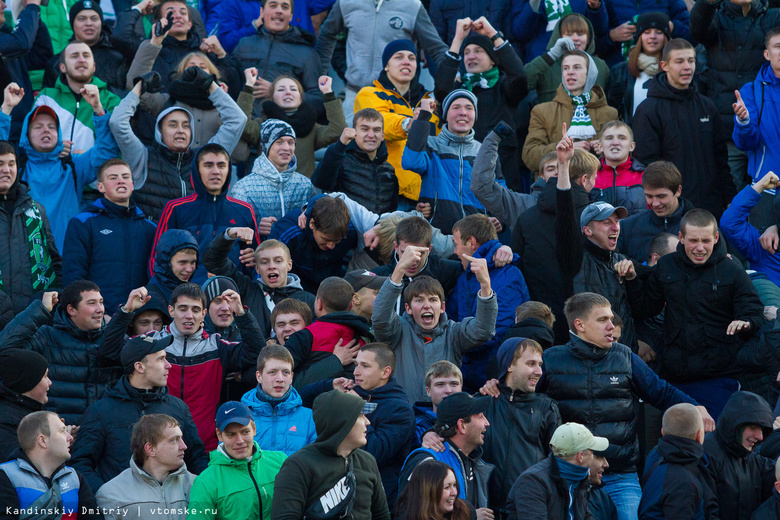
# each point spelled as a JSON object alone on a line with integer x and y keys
{"x": 136, "y": 495}
{"x": 370, "y": 26}
{"x": 502, "y": 202}
{"x": 449, "y": 340}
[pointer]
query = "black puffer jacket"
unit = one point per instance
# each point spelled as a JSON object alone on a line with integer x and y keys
{"x": 102, "y": 447}
{"x": 371, "y": 183}
{"x": 638, "y": 230}
{"x": 684, "y": 127}
{"x": 744, "y": 479}
{"x": 521, "y": 426}
{"x": 700, "y": 302}
{"x": 735, "y": 45}
{"x": 168, "y": 178}
{"x": 533, "y": 238}
{"x": 77, "y": 369}
{"x": 13, "y": 408}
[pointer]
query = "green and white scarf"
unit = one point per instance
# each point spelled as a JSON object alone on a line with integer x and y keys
{"x": 581, "y": 127}
{"x": 555, "y": 10}
{"x": 42, "y": 269}
{"x": 485, "y": 80}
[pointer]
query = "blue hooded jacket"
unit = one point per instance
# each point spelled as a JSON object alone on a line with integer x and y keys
{"x": 163, "y": 282}
{"x": 288, "y": 427}
{"x": 206, "y": 216}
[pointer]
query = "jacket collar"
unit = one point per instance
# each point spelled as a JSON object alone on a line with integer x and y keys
{"x": 585, "y": 349}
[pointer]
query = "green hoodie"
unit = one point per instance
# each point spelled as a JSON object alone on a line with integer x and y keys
{"x": 315, "y": 479}
{"x": 228, "y": 488}
{"x": 544, "y": 74}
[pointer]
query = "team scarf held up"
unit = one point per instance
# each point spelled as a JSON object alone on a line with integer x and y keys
{"x": 43, "y": 276}
{"x": 485, "y": 80}
{"x": 555, "y": 10}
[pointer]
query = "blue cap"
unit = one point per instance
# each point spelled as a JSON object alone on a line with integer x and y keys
{"x": 233, "y": 412}
{"x": 395, "y": 46}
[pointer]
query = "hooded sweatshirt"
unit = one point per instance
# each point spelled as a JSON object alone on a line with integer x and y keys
{"x": 316, "y": 479}
{"x": 163, "y": 282}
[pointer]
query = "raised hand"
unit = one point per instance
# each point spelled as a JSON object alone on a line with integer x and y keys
{"x": 244, "y": 234}
{"x": 565, "y": 147}
{"x": 91, "y": 95}
{"x": 50, "y": 299}
{"x": 325, "y": 84}
{"x": 428, "y": 104}
{"x": 261, "y": 89}
{"x": 250, "y": 75}
{"x": 623, "y": 32}
{"x": 347, "y": 135}
{"x": 739, "y": 107}
{"x": 136, "y": 299}
{"x": 12, "y": 96}
{"x": 265, "y": 225}
{"x": 234, "y": 301}
{"x": 213, "y": 45}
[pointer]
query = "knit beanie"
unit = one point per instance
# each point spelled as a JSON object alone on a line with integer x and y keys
{"x": 653, "y": 20}
{"x": 215, "y": 286}
{"x": 484, "y": 42}
{"x": 85, "y": 5}
{"x": 22, "y": 370}
{"x": 457, "y": 94}
{"x": 273, "y": 129}
{"x": 395, "y": 46}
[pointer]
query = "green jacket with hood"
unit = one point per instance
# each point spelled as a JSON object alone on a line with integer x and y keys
{"x": 235, "y": 489}
{"x": 544, "y": 73}
{"x": 315, "y": 479}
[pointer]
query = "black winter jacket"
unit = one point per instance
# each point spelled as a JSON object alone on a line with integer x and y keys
{"x": 638, "y": 230}
{"x": 15, "y": 264}
{"x": 540, "y": 493}
{"x": 163, "y": 283}
{"x": 13, "y": 408}
{"x": 532, "y": 328}
{"x": 78, "y": 368}
{"x": 684, "y": 127}
{"x": 743, "y": 479}
{"x": 102, "y": 447}
{"x": 700, "y": 302}
{"x": 168, "y": 178}
{"x": 521, "y": 426}
{"x": 734, "y": 44}
{"x": 371, "y": 183}
{"x": 533, "y": 239}
{"x": 770, "y": 509}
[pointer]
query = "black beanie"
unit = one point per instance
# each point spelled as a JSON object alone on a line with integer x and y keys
{"x": 484, "y": 42}
{"x": 84, "y": 5}
{"x": 653, "y": 20}
{"x": 215, "y": 286}
{"x": 22, "y": 370}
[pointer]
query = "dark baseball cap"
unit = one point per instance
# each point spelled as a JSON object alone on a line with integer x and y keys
{"x": 601, "y": 211}
{"x": 136, "y": 349}
{"x": 232, "y": 412}
{"x": 459, "y": 406}
{"x": 363, "y": 278}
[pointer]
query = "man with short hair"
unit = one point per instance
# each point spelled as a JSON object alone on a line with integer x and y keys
{"x": 69, "y": 338}
{"x": 619, "y": 179}
{"x": 710, "y": 310}
{"x": 677, "y": 123}
{"x": 287, "y": 318}
{"x": 110, "y": 224}
{"x": 676, "y": 479}
{"x": 461, "y": 421}
{"x": 557, "y": 487}
{"x": 533, "y": 320}
{"x": 38, "y": 479}
{"x": 333, "y": 477}
{"x": 103, "y": 447}
{"x": 158, "y": 449}
{"x": 240, "y": 476}
{"x": 366, "y": 286}
{"x": 24, "y": 385}
{"x": 442, "y": 378}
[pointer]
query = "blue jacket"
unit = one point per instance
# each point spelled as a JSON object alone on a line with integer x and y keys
{"x": 288, "y": 427}
{"x": 744, "y": 237}
{"x": 110, "y": 245}
{"x": 424, "y": 418}
{"x": 164, "y": 281}
{"x": 530, "y": 27}
{"x": 311, "y": 263}
{"x": 52, "y": 181}
{"x": 511, "y": 290}
{"x": 758, "y": 136}
{"x": 206, "y": 216}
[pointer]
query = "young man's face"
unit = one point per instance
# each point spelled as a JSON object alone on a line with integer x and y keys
{"x": 441, "y": 387}
{"x": 238, "y": 440}
{"x": 117, "y": 184}
{"x": 662, "y": 201}
{"x": 276, "y": 377}
{"x": 366, "y": 297}
{"x": 525, "y": 372}
{"x": 41, "y": 391}
{"x": 220, "y": 313}
{"x": 184, "y": 263}
{"x": 43, "y": 133}
{"x": 368, "y": 374}
{"x": 604, "y": 233}
{"x": 772, "y": 53}
{"x": 426, "y": 310}
{"x": 617, "y": 144}
{"x": 175, "y": 131}
{"x": 680, "y": 68}
{"x": 277, "y": 15}
{"x": 401, "y": 67}
{"x": 324, "y": 242}
{"x": 187, "y": 315}
{"x": 169, "y": 452}
{"x": 575, "y": 73}
{"x": 590, "y": 182}
{"x": 417, "y": 267}
{"x": 356, "y": 437}
{"x": 549, "y": 170}
{"x": 59, "y": 440}
{"x": 214, "y": 169}
{"x": 181, "y": 19}
{"x": 147, "y": 322}
{"x": 476, "y": 59}
{"x": 579, "y": 38}
{"x": 156, "y": 368}
{"x": 597, "y": 466}
{"x": 281, "y": 152}
{"x": 78, "y": 63}
{"x": 752, "y": 435}
{"x": 475, "y": 430}
{"x": 8, "y": 172}
{"x": 87, "y": 26}
{"x": 88, "y": 314}
{"x": 461, "y": 116}
{"x": 597, "y": 327}
{"x": 699, "y": 242}
{"x": 273, "y": 264}
{"x": 286, "y": 325}
{"x": 463, "y": 249}
{"x": 369, "y": 134}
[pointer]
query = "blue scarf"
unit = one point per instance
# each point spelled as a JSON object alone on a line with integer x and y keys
{"x": 573, "y": 475}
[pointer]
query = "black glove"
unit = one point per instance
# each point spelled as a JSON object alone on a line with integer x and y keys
{"x": 503, "y": 130}
{"x": 151, "y": 82}
{"x": 198, "y": 77}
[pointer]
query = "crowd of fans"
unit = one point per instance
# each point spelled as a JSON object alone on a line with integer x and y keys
{"x": 486, "y": 260}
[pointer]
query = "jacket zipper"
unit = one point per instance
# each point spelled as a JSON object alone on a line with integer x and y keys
{"x": 183, "y": 358}
{"x": 460, "y": 181}
{"x": 183, "y": 184}
{"x": 75, "y": 114}
{"x": 257, "y": 488}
